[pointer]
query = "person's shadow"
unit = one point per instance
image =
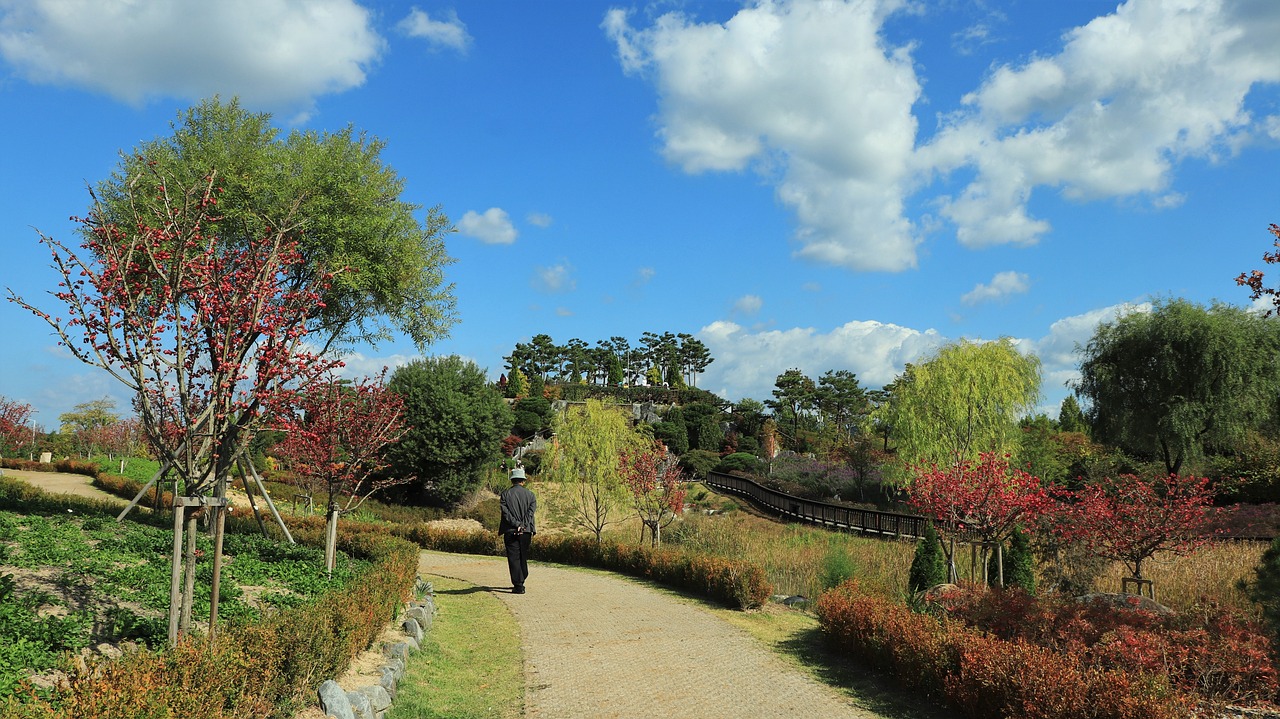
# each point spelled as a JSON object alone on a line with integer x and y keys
{"x": 469, "y": 590}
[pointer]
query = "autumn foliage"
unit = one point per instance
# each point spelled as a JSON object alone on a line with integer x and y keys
{"x": 15, "y": 425}
{"x": 653, "y": 477}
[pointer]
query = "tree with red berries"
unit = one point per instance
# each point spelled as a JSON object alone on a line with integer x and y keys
{"x": 980, "y": 501}
{"x": 203, "y": 332}
{"x": 15, "y": 425}
{"x": 337, "y": 443}
{"x": 1130, "y": 519}
{"x": 653, "y": 477}
{"x": 1253, "y": 280}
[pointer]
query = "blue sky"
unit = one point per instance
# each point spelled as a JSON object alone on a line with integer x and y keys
{"x": 821, "y": 185}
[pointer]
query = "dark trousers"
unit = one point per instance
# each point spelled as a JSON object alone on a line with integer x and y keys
{"x": 517, "y": 546}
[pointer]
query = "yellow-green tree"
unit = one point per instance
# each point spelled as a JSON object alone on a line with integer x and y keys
{"x": 963, "y": 400}
{"x": 584, "y": 460}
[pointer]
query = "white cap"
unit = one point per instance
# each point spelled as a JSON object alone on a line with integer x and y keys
{"x": 517, "y": 473}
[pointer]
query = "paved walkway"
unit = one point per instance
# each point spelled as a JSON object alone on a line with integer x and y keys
{"x": 600, "y": 646}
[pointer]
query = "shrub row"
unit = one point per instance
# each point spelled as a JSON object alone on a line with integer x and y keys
{"x": 985, "y": 676}
{"x": 1209, "y": 650}
{"x": 66, "y": 466}
{"x": 252, "y": 670}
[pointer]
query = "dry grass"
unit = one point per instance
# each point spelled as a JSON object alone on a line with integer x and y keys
{"x": 1208, "y": 575}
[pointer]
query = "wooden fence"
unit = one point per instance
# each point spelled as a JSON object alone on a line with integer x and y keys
{"x": 835, "y": 516}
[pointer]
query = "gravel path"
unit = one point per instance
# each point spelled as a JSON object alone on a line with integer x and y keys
{"x": 59, "y": 483}
{"x": 601, "y": 646}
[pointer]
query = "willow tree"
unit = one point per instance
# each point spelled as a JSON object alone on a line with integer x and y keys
{"x": 962, "y": 401}
{"x": 584, "y": 458}
{"x": 1170, "y": 383}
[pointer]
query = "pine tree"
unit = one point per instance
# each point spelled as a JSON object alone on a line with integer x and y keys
{"x": 928, "y": 568}
{"x": 1019, "y": 564}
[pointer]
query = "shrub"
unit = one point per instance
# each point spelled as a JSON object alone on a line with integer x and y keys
{"x": 1019, "y": 564}
{"x": 488, "y": 512}
{"x": 698, "y": 462}
{"x": 837, "y": 568}
{"x": 929, "y": 566}
{"x": 739, "y": 462}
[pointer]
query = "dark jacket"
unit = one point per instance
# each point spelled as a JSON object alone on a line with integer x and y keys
{"x": 518, "y": 506}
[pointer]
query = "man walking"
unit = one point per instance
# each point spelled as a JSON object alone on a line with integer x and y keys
{"x": 518, "y": 505}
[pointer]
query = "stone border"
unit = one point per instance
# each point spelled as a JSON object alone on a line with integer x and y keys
{"x": 372, "y": 702}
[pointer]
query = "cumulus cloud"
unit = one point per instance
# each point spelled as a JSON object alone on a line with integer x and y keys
{"x": 816, "y": 97}
{"x": 449, "y": 33}
{"x": 556, "y": 278}
{"x": 748, "y": 304}
{"x": 1001, "y": 286}
{"x": 810, "y": 85}
{"x": 539, "y": 219}
{"x": 275, "y": 54}
{"x": 492, "y": 228}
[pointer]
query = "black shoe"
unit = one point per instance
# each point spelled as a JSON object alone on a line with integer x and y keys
{"x": 517, "y": 590}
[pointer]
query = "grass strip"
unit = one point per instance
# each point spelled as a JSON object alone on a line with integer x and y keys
{"x": 470, "y": 666}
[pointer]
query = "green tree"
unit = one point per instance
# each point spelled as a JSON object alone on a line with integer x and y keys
{"x": 841, "y": 400}
{"x": 584, "y": 460}
{"x": 1019, "y": 563}
{"x": 533, "y": 415}
{"x": 1071, "y": 417}
{"x": 347, "y": 201}
{"x": 964, "y": 400}
{"x": 793, "y": 393}
{"x": 458, "y": 421}
{"x": 86, "y": 420}
{"x": 1170, "y": 383}
{"x": 928, "y": 567}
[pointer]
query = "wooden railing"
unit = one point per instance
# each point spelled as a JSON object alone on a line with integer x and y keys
{"x": 824, "y": 514}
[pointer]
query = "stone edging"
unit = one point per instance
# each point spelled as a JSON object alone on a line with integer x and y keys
{"x": 372, "y": 702}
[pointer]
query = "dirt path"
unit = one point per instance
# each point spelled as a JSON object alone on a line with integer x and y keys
{"x": 601, "y": 646}
{"x": 58, "y": 483}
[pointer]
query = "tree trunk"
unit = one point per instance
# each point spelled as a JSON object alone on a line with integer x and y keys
{"x": 219, "y": 528}
{"x": 175, "y": 576}
{"x": 331, "y": 540}
{"x": 1000, "y": 562}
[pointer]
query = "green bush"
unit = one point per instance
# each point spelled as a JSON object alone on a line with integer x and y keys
{"x": 740, "y": 462}
{"x": 488, "y": 513}
{"x": 837, "y": 568}
{"x": 929, "y": 566}
{"x": 697, "y": 462}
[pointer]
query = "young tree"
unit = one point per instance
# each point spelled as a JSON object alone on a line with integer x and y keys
{"x": 458, "y": 423}
{"x": 338, "y": 445}
{"x": 204, "y": 334}
{"x": 928, "y": 565}
{"x": 653, "y": 477}
{"x": 584, "y": 460}
{"x": 962, "y": 402}
{"x": 1168, "y": 383}
{"x": 984, "y": 499}
{"x": 1130, "y": 519}
{"x": 15, "y": 426}
{"x": 88, "y": 424}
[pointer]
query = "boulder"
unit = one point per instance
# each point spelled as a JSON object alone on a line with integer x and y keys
{"x": 334, "y": 701}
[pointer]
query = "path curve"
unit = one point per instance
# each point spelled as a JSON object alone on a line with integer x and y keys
{"x": 602, "y": 646}
{"x": 60, "y": 483}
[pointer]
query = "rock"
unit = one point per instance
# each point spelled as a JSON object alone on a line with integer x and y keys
{"x": 795, "y": 600}
{"x": 378, "y": 697}
{"x": 422, "y": 615}
{"x": 388, "y": 681}
{"x": 412, "y": 628}
{"x": 397, "y": 650}
{"x": 109, "y": 651}
{"x": 360, "y": 705}
{"x": 414, "y": 646}
{"x": 334, "y": 701}
{"x": 938, "y": 591}
{"x": 397, "y": 665}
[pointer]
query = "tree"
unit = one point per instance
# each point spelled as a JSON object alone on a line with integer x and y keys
{"x": 652, "y": 475}
{"x": 15, "y": 426}
{"x": 928, "y": 566}
{"x": 841, "y": 400}
{"x": 983, "y": 499}
{"x": 1018, "y": 568}
{"x": 1255, "y": 277}
{"x": 458, "y": 423}
{"x": 86, "y": 423}
{"x": 338, "y": 445}
{"x": 694, "y": 358}
{"x": 1173, "y": 382}
{"x": 203, "y": 332}
{"x": 963, "y": 401}
{"x": 532, "y": 415}
{"x": 793, "y": 393}
{"x": 584, "y": 459}
{"x": 343, "y": 203}
{"x": 1070, "y": 417}
{"x": 1130, "y": 519}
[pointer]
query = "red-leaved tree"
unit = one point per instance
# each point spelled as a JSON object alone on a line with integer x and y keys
{"x": 203, "y": 330}
{"x": 982, "y": 501}
{"x": 15, "y": 425}
{"x": 337, "y": 444}
{"x": 652, "y": 475}
{"x": 1253, "y": 280}
{"x": 1130, "y": 519}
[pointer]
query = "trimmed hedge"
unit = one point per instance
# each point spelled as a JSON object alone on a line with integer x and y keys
{"x": 982, "y": 675}
{"x": 252, "y": 670}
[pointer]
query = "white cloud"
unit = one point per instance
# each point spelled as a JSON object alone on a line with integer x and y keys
{"x": 1129, "y": 96}
{"x": 450, "y": 33}
{"x": 816, "y": 98}
{"x": 748, "y": 304}
{"x": 274, "y": 54}
{"x": 812, "y": 87}
{"x": 564, "y": 312}
{"x": 644, "y": 275}
{"x": 539, "y": 219}
{"x": 492, "y": 228}
{"x": 557, "y": 278}
{"x": 1002, "y": 285}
